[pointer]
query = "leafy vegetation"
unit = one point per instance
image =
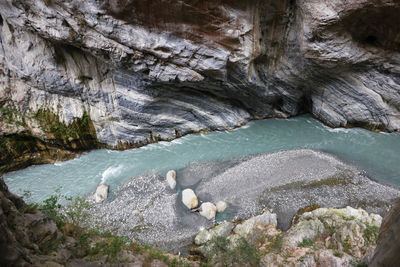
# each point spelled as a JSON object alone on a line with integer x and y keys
{"x": 337, "y": 254}
{"x": 50, "y": 122}
{"x": 12, "y": 116}
{"x": 371, "y": 233}
{"x": 92, "y": 243}
{"x": 224, "y": 253}
{"x": 306, "y": 243}
{"x": 347, "y": 245}
{"x": 51, "y": 207}
{"x": 275, "y": 244}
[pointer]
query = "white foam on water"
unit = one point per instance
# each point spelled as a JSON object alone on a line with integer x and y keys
{"x": 177, "y": 141}
{"x": 110, "y": 172}
{"x": 165, "y": 143}
{"x": 337, "y": 130}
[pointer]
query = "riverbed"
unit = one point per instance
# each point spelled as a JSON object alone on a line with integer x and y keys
{"x": 375, "y": 153}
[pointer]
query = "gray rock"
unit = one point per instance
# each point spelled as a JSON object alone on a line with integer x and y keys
{"x": 101, "y": 193}
{"x": 208, "y": 210}
{"x": 171, "y": 179}
{"x": 189, "y": 198}
{"x": 142, "y": 79}
{"x": 221, "y": 206}
{"x": 221, "y": 230}
{"x": 250, "y": 229}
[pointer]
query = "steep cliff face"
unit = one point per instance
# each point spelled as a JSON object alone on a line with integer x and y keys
{"x": 148, "y": 70}
{"x": 388, "y": 244}
{"x": 23, "y": 233}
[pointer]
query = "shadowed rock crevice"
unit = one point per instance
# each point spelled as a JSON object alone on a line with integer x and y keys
{"x": 378, "y": 27}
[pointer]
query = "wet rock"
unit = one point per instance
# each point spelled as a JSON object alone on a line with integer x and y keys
{"x": 101, "y": 193}
{"x": 189, "y": 198}
{"x": 171, "y": 179}
{"x": 221, "y": 206}
{"x": 208, "y": 210}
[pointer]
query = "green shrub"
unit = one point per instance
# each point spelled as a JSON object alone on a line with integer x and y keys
{"x": 306, "y": 243}
{"x": 51, "y": 207}
{"x": 77, "y": 210}
{"x": 371, "y": 233}
{"x": 243, "y": 254}
{"x": 338, "y": 254}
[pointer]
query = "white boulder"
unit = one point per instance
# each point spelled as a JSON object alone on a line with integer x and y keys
{"x": 189, "y": 198}
{"x": 171, "y": 179}
{"x": 101, "y": 193}
{"x": 208, "y": 210}
{"x": 221, "y": 206}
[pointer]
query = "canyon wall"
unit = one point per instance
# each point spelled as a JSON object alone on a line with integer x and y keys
{"x": 121, "y": 73}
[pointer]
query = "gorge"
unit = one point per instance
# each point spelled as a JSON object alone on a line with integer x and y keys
{"x": 285, "y": 104}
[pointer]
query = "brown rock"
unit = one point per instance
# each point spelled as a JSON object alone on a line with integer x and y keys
{"x": 387, "y": 252}
{"x": 22, "y": 233}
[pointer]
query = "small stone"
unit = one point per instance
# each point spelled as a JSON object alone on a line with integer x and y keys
{"x": 208, "y": 210}
{"x": 135, "y": 212}
{"x": 171, "y": 179}
{"x": 189, "y": 198}
{"x": 101, "y": 193}
{"x": 221, "y": 206}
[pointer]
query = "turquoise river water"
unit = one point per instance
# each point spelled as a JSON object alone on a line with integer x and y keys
{"x": 378, "y": 154}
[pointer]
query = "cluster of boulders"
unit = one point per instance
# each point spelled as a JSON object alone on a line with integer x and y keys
{"x": 324, "y": 236}
{"x": 190, "y": 200}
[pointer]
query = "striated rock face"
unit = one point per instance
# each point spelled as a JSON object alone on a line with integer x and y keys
{"x": 149, "y": 70}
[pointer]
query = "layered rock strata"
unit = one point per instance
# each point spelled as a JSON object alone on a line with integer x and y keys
{"x": 149, "y": 70}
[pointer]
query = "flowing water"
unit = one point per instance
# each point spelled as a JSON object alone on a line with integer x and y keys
{"x": 376, "y": 153}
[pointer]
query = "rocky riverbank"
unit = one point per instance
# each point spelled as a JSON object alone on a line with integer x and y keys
{"x": 320, "y": 237}
{"x": 146, "y": 209}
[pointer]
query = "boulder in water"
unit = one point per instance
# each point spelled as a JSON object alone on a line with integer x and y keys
{"x": 189, "y": 198}
{"x": 101, "y": 193}
{"x": 221, "y": 206}
{"x": 208, "y": 210}
{"x": 171, "y": 179}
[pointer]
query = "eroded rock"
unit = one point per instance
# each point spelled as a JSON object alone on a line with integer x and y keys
{"x": 221, "y": 206}
{"x": 151, "y": 70}
{"x": 101, "y": 193}
{"x": 221, "y": 230}
{"x": 208, "y": 210}
{"x": 189, "y": 198}
{"x": 328, "y": 237}
{"x": 171, "y": 179}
